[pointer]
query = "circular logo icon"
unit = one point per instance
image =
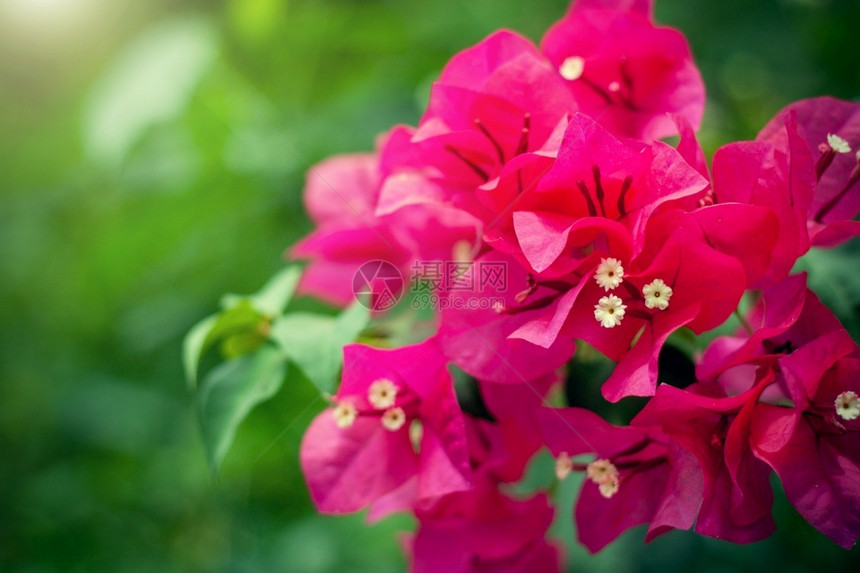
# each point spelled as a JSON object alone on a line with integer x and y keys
{"x": 377, "y": 285}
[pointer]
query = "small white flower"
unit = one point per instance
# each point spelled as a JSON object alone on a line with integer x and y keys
{"x": 601, "y": 470}
{"x": 848, "y": 405}
{"x": 609, "y": 273}
{"x": 382, "y": 393}
{"x": 605, "y": 475}
{"x": 609, "y": 311}
{"x": 344, "y": 414}
{"x": 571, "y": 68}
{"x": 657, "y": 294}
{"x": 393, "y": 419}
{"x": 608, "y": 488}
{"x": 563, "y": 466}
{"x": 838, "y": 144}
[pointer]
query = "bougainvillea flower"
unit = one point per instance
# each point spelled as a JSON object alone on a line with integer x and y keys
{"x": 492, "y": 103}
{"x": 483, "y": 530}
{"x": 830, "y": 128}
{"x": 502, "y": 447}
{"x": 787, "y": 316}
{"x": 781, "y": 179}
{"x": 340, "y": 194}
{"x": 816, "y": 450}
{"x": 624, "y": 71}
{"x": 503, "y": 93}
{"x": 340, "y": 197}
{"x": 621, "y": 212}
{"x": 783, "y": 394}
{"x": 395, "y": 428}
{"x": 500, "y": 197}
{"x": 475, "y": 336}
{"x": 538, "y": 171}
{"x": 638, "y": 476}
{"x": 714, "y": 427}
{"x": 501, "y": 440}
{"x": 803, "y": 424}
{"x": 689, "y": 148}
{"x": 598, "y": 175}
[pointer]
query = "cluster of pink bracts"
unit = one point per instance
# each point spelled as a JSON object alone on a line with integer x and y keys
{"x": 548, "y": 160}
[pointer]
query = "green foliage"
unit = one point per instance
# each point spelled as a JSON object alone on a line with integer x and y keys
{"x": 230, "y": 391}
{"x": 253, "y": 370}
{"x": 242, "y": 325}
{"x": 274, "y": 297}
{"x": 315, "y": 343}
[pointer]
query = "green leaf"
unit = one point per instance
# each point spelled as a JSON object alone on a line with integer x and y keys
{"x": 277, "y": 293}
{"x": 231, "y": 391}
{"x": 273, "y": 297}
{"x": 241, "y": 318}
{"x": 315, "y": 343}
{"x": 194, "y": 346}
{"x": 244, "y": 323}
{"x": 242, "y": 343}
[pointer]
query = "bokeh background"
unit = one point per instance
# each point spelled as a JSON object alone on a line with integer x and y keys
{"x": 152, "y": 157}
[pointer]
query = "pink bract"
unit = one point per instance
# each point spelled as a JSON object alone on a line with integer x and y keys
{"x": 835, "y": 200}
{"x": 341, "y": 195}
{"x": 492, "y": 103}
{"x": 479, "y": 342}
{"x": 659, "y": 482}
{"x": 606, "y": 198}
{"x": 483, "y": 530}
{"x": 348, "y": 468}
{"x": 631, "y": 74}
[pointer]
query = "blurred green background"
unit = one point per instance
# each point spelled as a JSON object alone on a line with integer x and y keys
{"x": 152, "y": 158}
